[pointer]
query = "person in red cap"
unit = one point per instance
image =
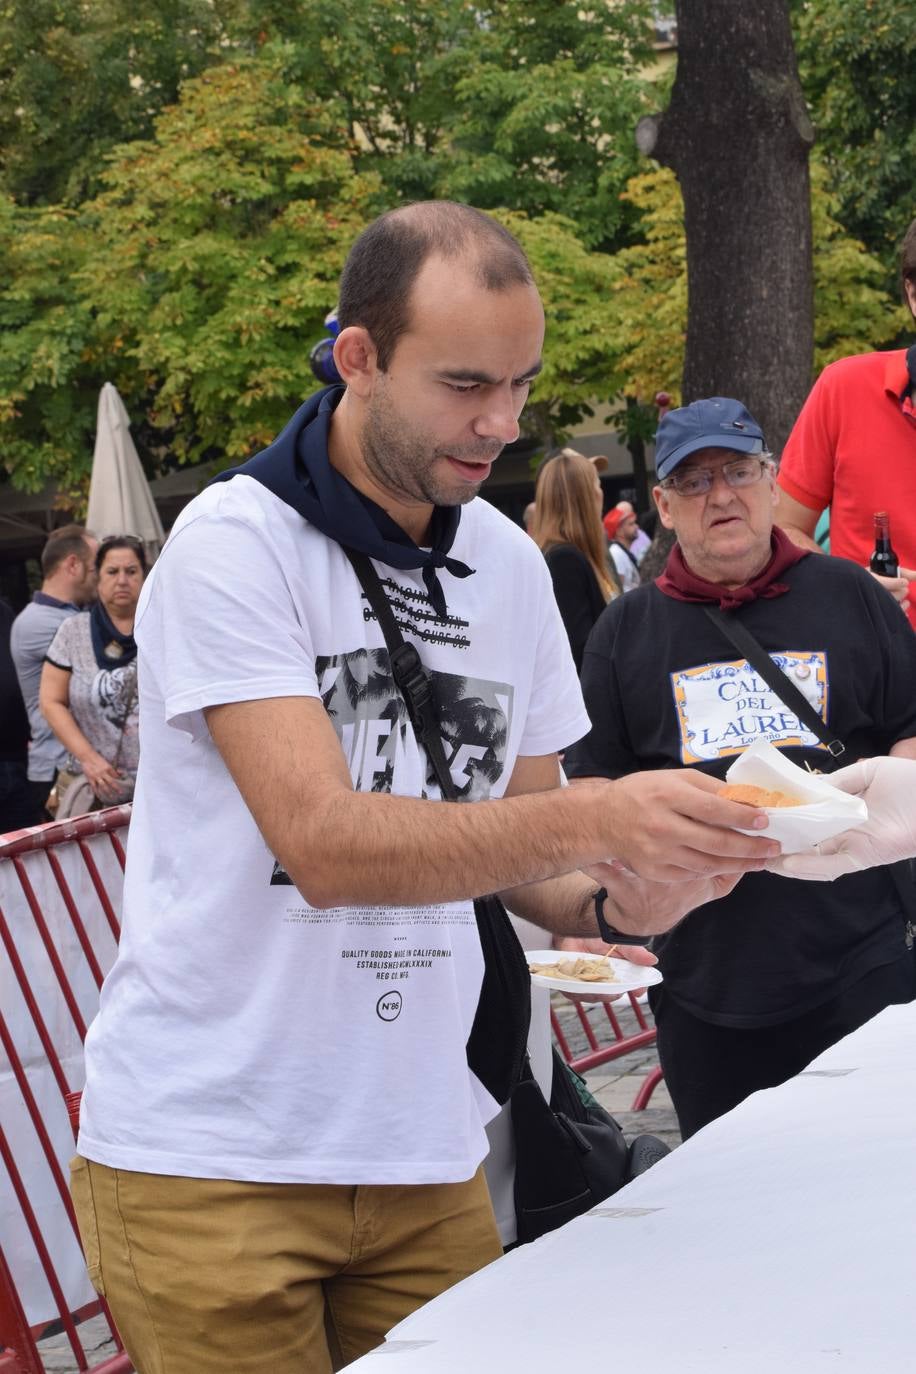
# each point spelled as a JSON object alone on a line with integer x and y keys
{"x": 621, "y": 529}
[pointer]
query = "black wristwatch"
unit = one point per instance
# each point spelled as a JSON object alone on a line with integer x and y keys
{"x": 608, "y": 934}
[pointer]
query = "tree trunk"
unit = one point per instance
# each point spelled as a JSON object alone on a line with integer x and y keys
{"x": 737, "y": 135}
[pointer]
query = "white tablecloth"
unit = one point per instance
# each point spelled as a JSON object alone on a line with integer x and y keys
{"x": 779, "y": 1240}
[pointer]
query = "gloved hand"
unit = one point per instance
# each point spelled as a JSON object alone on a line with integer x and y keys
{"x": 888, "y": 788}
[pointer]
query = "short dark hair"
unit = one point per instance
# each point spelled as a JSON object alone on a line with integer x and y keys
{"x": 908, "y": 257}
{"x": 69, "y": 539}
{"x": 386, "y": 258}
{"x": 120, "y": 541}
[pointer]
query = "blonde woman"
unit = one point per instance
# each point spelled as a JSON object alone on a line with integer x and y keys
{"x": 567, "y": 529}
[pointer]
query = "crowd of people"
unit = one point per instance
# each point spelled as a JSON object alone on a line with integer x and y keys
{"x": 69, "y": 680}
{"x": 298, "y": 916}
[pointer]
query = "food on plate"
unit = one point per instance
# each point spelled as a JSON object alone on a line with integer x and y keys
{"x": 750, "y": 795}
{"x": 578, "y": 970}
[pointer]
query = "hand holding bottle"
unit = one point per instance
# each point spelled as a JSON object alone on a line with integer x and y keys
{"x": 885, "y": 566}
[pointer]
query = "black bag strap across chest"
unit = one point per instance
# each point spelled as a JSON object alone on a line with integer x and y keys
{"x": 410, "y": 676}
{"x": 902, "y": 874}
{"x": 497, "y": 1044}
{"x": 775, "y": 678}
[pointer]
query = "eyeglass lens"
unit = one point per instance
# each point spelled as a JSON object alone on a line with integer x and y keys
{"x": 740, "y": 473}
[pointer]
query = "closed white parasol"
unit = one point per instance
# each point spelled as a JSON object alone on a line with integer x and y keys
{"x": 120, "y": 501}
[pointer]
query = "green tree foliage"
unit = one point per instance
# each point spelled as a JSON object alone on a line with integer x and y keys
{"x": 203, "y": 235}
{"x": 526, "y": 104}
{"x": 78, "y": 77}
{"x": 219, "y": 245}
{"x": 853, "y": 312}
{"x": 857, "y": 60}
{"x": 648, "y": 302}
{"x": 384, "y": 70}
{"x": 48, "y": 388}
{"x": 574, "y": 284}
{"x": 198, "y": 279}
{"x": 544, "y": 118}
{"x": 195, "y": 282}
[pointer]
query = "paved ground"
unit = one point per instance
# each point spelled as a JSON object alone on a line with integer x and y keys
{"x": 58, "y": 1358}
{"x": 614, "y": 1085}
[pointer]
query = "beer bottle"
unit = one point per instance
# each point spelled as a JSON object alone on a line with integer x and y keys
{"x": 883, "y": 560}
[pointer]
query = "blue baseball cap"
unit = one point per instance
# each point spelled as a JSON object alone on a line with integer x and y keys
{"x": 717, "y": 422}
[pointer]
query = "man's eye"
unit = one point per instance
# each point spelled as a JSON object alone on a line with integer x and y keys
{"x": 691, "y": 485}
{"x": 461, "y": 387}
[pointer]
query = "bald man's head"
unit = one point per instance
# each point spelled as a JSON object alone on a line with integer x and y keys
{"x": 384, "y": 262}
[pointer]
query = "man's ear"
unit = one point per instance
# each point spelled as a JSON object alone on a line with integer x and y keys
{"x": 910, "y": 288}
{"x": 356, "y": 359}
{"x": 660, "y": 497}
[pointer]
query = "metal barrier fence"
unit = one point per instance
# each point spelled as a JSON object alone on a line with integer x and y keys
{"x": 60, "y": 893}
{"x": 60, "y": 890}
{"x": 618, "y": 1045}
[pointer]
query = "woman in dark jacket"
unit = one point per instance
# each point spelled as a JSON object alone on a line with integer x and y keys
{"x": 567, "y": 529}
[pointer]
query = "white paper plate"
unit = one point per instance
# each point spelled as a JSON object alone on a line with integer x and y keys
{"x": 629, "y": 976}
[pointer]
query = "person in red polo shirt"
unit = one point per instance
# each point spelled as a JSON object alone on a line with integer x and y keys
{"x": 853, "y": 448}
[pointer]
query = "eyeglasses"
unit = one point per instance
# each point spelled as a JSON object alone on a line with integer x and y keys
{"x": 740, "y": 472}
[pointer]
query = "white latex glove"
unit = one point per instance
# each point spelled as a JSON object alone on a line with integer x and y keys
{"x": 888, "y": 788}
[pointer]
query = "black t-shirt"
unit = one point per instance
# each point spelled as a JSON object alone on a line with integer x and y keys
{"x": 578, "y": 595}
{"x": 665, "y": 689}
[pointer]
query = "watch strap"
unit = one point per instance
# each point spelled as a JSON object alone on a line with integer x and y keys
{"x": 608, "y": 934}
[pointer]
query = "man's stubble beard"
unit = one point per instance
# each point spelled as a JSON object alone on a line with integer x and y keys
{"x": 402, "y": 461}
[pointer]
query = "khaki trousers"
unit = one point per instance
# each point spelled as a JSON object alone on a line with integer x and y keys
{"x": 207, "y": 1276}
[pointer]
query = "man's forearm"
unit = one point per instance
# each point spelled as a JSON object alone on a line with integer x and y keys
{"x": 407, "y": 852}
{"x": 801, "y": 538}
{"x": 564, "y": 906}
{"x": 346, "y": 848}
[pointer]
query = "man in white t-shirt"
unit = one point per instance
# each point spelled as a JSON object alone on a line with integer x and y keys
{"x": 281, "y": 1136}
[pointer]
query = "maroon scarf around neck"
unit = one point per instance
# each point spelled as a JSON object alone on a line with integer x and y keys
{"x": 679, "y": 582}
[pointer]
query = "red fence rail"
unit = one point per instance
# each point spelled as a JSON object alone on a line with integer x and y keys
{"x": 58, "y": 929}
{"x": 616, "y": 1046}
{"x": 56, "y": 902}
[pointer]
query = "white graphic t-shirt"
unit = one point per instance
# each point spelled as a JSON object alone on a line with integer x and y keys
{"x": 242, "y": 1032}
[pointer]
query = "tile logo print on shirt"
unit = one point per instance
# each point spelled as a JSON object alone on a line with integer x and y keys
{"x": 723, "y": 707}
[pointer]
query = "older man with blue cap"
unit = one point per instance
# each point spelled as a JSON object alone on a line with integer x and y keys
{"x": 738, "y": 640}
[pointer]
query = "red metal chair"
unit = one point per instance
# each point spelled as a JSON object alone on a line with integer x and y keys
{"x": 61, "y": 986}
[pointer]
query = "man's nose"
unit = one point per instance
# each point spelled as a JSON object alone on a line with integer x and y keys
{"x": 498, "y": 418}
{"x": 720, "y": 486}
